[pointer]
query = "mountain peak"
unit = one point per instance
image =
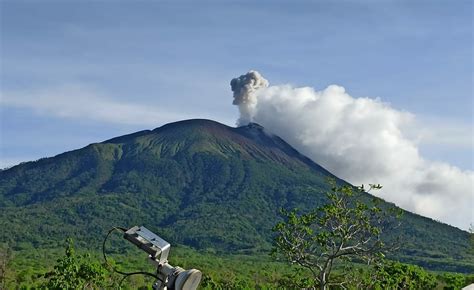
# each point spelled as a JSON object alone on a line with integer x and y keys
{"x": 253, "y": 125}
{"x": 205, "y": 123}
{"x": 202, "y": 135}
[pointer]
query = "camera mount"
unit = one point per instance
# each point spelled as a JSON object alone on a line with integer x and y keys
{"x": 173, "y": 278}
{"x": 167, "y": 276}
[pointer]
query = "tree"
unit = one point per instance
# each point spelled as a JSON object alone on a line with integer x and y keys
{"x": 396, "y": 275}
{"x": 74, "y": 271}
{"x": 471, "y": 237}
{"x": 453, "y": 281}
{"x": 5, "y": 257}
{"x": 348, "y": 227}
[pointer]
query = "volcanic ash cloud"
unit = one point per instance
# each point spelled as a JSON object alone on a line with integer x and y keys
{"x": 361, "y": 140}
{"x": 244, "y": 88}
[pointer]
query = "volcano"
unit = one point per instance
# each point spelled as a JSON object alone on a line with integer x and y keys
{"x": 195, "y": 182}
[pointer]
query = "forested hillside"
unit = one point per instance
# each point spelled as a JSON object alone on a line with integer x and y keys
{"x": 197, "y": 183}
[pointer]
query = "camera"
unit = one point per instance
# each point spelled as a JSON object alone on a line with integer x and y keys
{"x": 170, "y": 277}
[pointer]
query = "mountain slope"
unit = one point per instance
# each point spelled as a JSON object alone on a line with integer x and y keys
{"x": 195, "y": 182}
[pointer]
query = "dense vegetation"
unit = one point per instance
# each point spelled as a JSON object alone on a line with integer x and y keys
{"x": 197, "y": 183}
{"x": 57, "y": 268}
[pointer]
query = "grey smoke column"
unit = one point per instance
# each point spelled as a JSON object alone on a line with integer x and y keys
{"x": 244, "y": 88}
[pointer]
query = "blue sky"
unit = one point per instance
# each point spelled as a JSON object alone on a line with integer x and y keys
{"x": 77, "y": 72}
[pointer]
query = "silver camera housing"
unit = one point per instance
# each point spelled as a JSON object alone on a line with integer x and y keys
{"x": 158, "y": 250}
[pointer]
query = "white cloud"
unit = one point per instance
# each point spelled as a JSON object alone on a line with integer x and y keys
{"x": 364, "y": 140}
{"x": 74, "y": 101}
{"x": 449, "y": 133}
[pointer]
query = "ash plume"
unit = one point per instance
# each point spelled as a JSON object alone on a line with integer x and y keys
{"x": 361, "y": 140}
{"x": 244, "y": 88}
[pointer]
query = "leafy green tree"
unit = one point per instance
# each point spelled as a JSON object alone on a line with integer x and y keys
{"x": 471, "y": 237}
{"x": 5, "y": 257}
{"x": 295, "y": 280}
{"x": 396, "y": 275}
{"x": 453, "y": 281}
{"x": 344, "y": 229}
{"x": 74, "y": 271}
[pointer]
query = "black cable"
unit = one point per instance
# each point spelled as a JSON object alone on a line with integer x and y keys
{"x": 103, "y": 248}
{"x": 125, "y": 274}
{"x": 137, "y": 273}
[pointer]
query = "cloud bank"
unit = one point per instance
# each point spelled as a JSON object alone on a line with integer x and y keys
{"x": 75, "y": 101}
{"x": 362, "y": 140}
